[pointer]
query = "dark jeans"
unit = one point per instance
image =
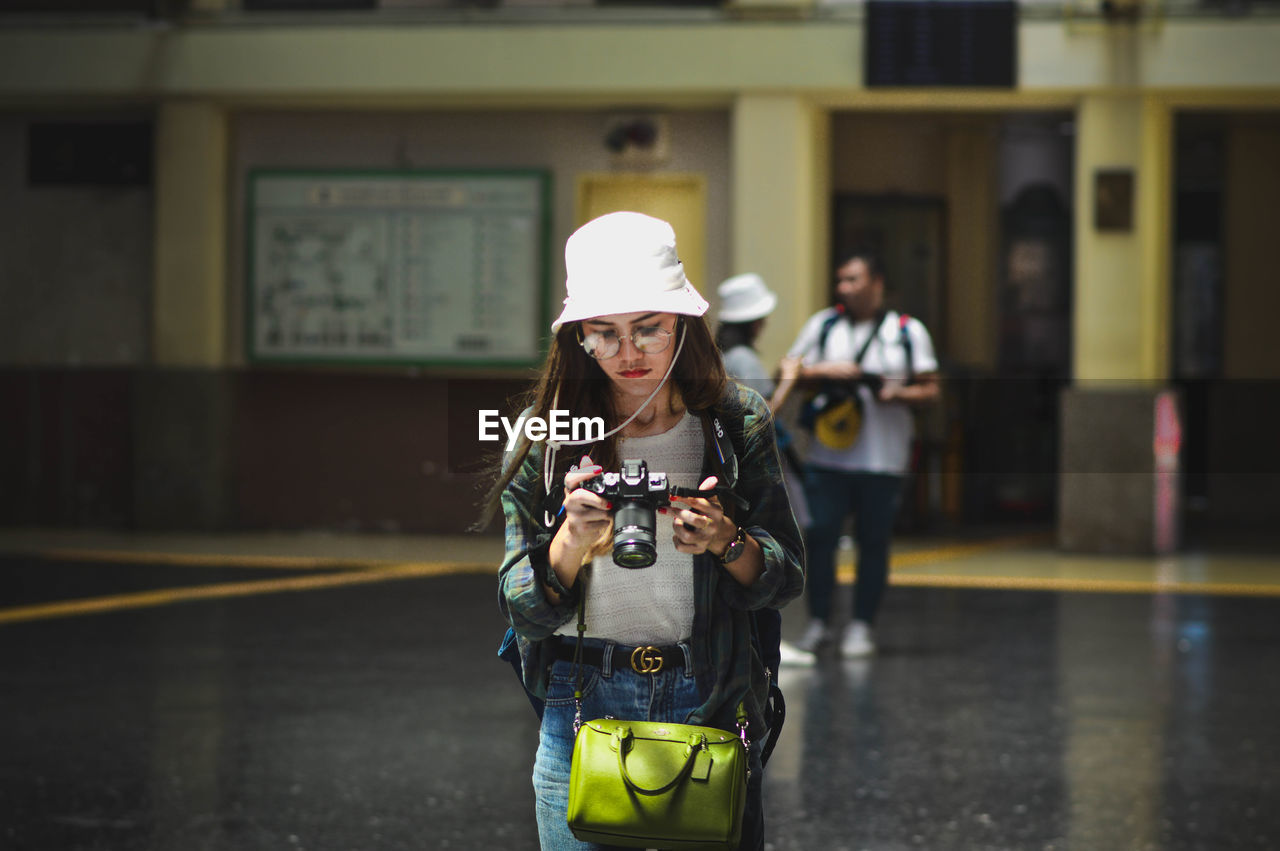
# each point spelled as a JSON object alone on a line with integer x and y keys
{"x": 874, "y": 499}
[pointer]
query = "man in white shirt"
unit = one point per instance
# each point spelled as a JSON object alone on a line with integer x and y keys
{"x": 887, "y": 359}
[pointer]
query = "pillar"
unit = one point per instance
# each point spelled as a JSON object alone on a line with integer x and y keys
{"x": 1114, "y": 491}
{"x": 779, "y": 151}
{"x": 182, "y": 404}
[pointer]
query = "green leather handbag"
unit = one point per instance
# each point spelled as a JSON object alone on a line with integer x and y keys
{"x": 644, "y": 784}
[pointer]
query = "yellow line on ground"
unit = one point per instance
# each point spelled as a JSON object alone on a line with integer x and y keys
{"x": 901, "y": 561}
{"x": 1112, "y": 586}
{"x": 917, "y": 558}
{"x": 355, "y": 572}
{"x": 168, "y": 596}
{"x": 920, "y": 558}
{"x": 208, "y": 559}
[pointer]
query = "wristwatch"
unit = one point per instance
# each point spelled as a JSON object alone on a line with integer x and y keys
{"x": 735, "y": 548}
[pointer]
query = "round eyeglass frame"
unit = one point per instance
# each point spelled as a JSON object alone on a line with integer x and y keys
{"x": 654, "y": 331}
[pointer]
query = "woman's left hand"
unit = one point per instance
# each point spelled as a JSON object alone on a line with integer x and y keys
{"x": 700, "y": 523}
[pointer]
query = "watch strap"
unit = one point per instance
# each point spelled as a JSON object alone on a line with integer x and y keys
{"x": 735, "y": 548}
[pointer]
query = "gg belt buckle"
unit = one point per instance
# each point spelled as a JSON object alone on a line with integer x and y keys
{"x": 646, "y": 660}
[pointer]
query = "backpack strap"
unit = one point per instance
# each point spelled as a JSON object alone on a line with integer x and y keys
{"x": 904, "y": 337}
{"x": 836, "y": 316}
{"x": 827, "y": 324}
{"x": 875, "y": 332}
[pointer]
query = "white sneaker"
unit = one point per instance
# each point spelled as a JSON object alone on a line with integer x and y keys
{"x": 857, "y": 642}
{"x": 791, "y": 656}
{"x": 816, "y": 634}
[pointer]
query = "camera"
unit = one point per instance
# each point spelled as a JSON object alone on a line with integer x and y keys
{"x": 636, "y": 495}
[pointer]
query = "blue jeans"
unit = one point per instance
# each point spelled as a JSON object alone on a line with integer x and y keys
{"x": 874, "y": 499}
{"x": 670, "y": 695}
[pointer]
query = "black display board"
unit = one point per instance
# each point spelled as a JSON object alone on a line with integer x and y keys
{"x": 88, "y": 153}
{"x": 941, "y": 43}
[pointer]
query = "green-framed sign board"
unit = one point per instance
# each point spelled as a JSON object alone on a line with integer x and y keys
{"x": 414, "y": 267}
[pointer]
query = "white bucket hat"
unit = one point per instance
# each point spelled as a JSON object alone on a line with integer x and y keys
{"x": 625, "y": 263}
{"x": 745, "y": 298}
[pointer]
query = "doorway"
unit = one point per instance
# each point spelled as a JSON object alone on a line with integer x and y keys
{"x": 908, "y": 235}
{"x": 679, "y": 199}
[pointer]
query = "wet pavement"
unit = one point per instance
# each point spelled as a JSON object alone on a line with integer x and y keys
{"x": 376, "y": 716}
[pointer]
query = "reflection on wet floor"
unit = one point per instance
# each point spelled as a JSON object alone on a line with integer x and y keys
{"x": 1038, "y": 720}
{"x": 375, "y": 714}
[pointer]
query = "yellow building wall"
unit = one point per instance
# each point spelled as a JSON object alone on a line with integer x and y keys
{"x": 714, "y": 63}
{"x": 490, "y": 59}
{"x": 1122, "y": 312}
{"x": 780, "y": 222}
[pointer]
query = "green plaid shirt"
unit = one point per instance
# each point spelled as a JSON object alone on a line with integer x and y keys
{"x": 726, "y": 664}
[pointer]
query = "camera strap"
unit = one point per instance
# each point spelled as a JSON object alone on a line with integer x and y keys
{"x": 724, "y": 460}
{"x": 553, "y": 506}
{"x": 724, "y": 456}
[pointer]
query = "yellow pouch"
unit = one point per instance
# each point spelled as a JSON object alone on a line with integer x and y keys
{"x": 839, "y": 425}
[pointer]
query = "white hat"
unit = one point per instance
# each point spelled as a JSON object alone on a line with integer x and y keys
{"x": 746, "y": 298}
{"x": 625, "y": 263}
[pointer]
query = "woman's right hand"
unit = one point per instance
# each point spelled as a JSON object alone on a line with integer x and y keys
{"x": 587, "y": 516}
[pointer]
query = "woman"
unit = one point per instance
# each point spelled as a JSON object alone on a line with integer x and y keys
{"x": 632, "y": 348}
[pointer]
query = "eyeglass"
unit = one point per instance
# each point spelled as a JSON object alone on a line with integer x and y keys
{"x": 602, "y": 345}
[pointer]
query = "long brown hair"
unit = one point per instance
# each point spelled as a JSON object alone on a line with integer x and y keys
{"x": 572, "y": 381}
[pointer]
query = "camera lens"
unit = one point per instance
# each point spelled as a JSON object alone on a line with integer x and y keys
{"x": 634, "y": 537}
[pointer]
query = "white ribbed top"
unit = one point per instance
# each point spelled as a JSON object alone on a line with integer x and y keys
{"x": 650, "y": 605}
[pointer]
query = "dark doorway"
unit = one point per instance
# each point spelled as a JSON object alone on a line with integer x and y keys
{"x": 909, "y": 235}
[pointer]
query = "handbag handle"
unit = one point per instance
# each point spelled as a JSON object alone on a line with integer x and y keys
{"x": 621, "y": 735}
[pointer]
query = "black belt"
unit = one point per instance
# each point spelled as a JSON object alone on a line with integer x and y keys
{"x": 643, "y": 660}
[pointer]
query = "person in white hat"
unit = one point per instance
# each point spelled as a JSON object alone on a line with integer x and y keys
{"x": 745, "y": 301}
{"x": 631, "y": 347}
